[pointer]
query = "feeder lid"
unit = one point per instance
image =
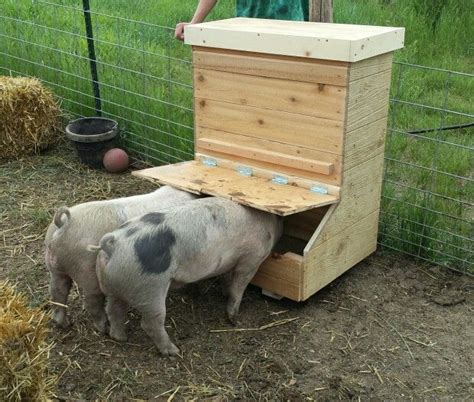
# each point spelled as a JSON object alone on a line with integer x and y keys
{"x": 314, "y": 40}
{"x": 253, "y": 191}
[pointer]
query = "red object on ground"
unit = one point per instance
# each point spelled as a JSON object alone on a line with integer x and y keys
{"x": 115, "y": 160}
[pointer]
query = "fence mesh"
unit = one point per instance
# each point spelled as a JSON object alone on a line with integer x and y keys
{"x": 145, "y": 82}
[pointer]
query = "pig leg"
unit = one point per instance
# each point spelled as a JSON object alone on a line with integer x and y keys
{"x": 153, "y": 323}
{"x": 242, "y": 275}
{"x": 226, "y": 281}
{"x": 117, "y": 312}
{"x": 94, "y": 304}
{"x": 86, "y": 277}
{"x": 59, "y": 287}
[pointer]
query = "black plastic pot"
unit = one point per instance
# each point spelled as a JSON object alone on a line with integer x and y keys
{"x": 92, "y": 138}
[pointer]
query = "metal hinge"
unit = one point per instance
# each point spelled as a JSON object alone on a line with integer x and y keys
{"x": 209, "y": 162}
{"x": 279, "y": 180}
{"x": 244, "y": 171}
{"x": 318, "y": 189}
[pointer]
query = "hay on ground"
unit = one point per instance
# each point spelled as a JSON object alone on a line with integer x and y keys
{"x": 24, "y": 349}
{"x": 29, "y": 117}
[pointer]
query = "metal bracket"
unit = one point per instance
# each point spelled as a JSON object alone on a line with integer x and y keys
{"x": 279, "y": 180}
{"x": 318, "y": 189}
{"x": 209, "y": 162}
{"x": 244, "y": 171}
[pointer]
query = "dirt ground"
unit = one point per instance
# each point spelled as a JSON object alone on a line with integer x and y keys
{"x": 388, "y": 329}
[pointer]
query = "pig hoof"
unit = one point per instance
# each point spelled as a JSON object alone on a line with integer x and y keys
{"x": 101, "y": 326}
{"x": 233, "y": 320}
{"x": 119, "y": 336}
{"x": 169, "y": 350}
{"x": 63, "y": 323}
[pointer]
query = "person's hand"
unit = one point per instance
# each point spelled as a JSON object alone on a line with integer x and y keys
{"x": 179, "y": 30}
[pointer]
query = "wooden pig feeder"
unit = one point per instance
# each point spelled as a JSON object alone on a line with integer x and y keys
{"x": 290, "y": 118}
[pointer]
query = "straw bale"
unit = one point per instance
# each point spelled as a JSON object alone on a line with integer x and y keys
{"x": 24, "y": 349}
{"x": 29, "y": 117}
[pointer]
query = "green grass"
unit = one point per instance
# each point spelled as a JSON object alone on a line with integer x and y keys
{"x": 145, "y": 78}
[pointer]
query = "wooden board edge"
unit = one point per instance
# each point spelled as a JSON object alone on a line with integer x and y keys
{"x": 334, "y": 225}
{"x": 370, "y": 66}
{"x": 277, "y": 158}
{"x": 338, "y": 243}
{"x": 234, "y": 52}
{"x": 300, "y": 92}
{"x": 320, "y": 227}
{"x": 338, "y": 79}
{"x": 272, "y": 272}
{"x": 265, "y": 208}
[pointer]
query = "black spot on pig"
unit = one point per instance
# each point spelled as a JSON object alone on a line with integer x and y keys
{"x": 154, "y": 250}
{"x": 131, "y": 232}
{"x": 155, "y": 218}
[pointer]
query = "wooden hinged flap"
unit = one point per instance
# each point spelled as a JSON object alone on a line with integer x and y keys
{"x": 266, "y": 194}
{"x": 342, "y": 42}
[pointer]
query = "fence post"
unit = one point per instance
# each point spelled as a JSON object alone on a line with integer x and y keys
{"x": 92, "y": 58}
{"x": 320, "y": 10}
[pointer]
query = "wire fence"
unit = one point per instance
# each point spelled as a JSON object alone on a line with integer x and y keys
{"x": 145, "y": 81}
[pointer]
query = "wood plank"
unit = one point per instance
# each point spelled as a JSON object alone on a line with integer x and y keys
{"x": 262, "y": 194}
{"x": 360, "y": 195}
{"x": 361, "y": 121}
{"x": 256, "y": 192}
{"x": 367, "y": 100}
{"x": 296, "y": 38}
{"x": 282, "y": 67}
{"x": 269, "y": 174}
{"x": 257, "y": 166}
{"x": 364, "y": 143}
{"x": 281, "y": 275}
{"x": 295, "y": 28}
{"x": 348, "y": 232}
{"x": 191, "y": 184}
{"x": 318, "y": 100}
{"x": 270, "y": 145}
{"x": 333, "y": 257}
{"x": 323, "y": 225}
{"x": 291, "y": 150}
{"x": 263, "y": 155}
{"x": 374, "y": 65}
{"x": 306, "y": 131}
{"x": 271, "y": 57}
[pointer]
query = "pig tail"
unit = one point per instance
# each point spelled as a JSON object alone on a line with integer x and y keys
{"x": 59, "y": 214}
{"x": 107, "y": 243}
